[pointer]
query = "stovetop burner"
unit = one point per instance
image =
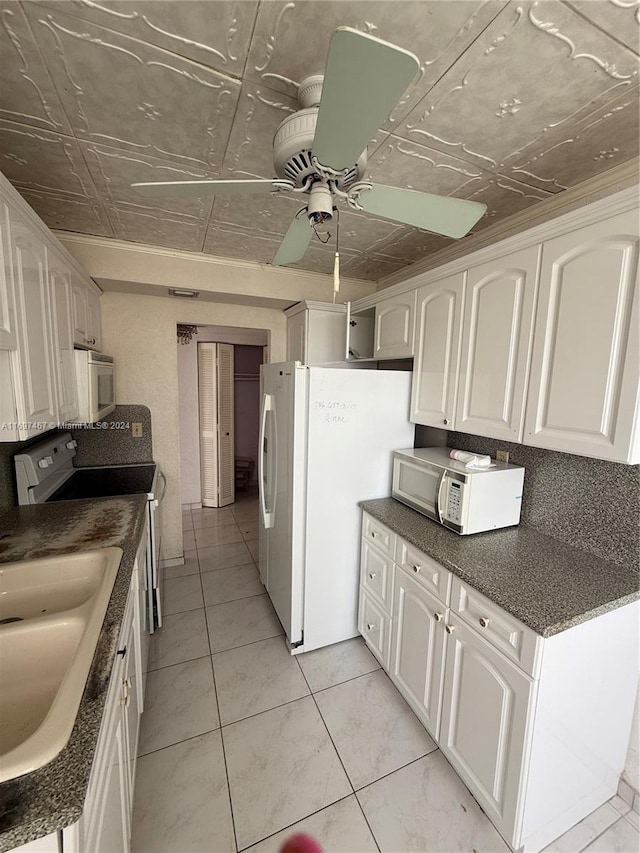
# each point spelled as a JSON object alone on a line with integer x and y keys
{"x": 105, "y": 482}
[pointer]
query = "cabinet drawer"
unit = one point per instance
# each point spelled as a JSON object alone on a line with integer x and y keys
{"x": 427, "y": 572}
{"x": 374, "y": 531}
{"x": 376, "y": 573}
{"x": 375, "y": 627}
{"x": 514, "y": 639}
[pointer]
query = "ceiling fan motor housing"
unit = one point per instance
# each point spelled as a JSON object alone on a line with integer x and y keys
{"x": 292, "y": 151}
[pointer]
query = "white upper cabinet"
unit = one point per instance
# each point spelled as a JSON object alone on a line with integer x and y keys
{"x": 94, "y": 326}
{"x": 393, "y": 332}
{"x": 79, "y": 306}
{"x": 496, "y": 341}
{"x": 583, "y": 394}
{"x": 8, "y": 335}
{"x": 435, "y": 368}
{"x": 35, "y": 380}
{"x": 315, "y": 332}
{"x": 62, "y": 339}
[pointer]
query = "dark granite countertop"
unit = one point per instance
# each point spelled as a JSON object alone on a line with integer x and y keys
{"x": 52, "y": 797}
{"x": 541, "y": 581}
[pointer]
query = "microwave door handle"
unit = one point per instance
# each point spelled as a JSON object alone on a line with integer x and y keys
{"x": 439, "y": 512}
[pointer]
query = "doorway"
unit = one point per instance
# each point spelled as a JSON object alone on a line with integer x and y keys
{"x": 236, "y": 462}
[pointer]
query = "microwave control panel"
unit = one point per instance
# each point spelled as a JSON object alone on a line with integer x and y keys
{"x": 454, "y": 502}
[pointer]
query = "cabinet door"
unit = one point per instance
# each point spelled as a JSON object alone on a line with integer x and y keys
{"x": 79, "y": 308}
{"x": 110, "y": 830}
{"x": 35, "y": 380}
{"x": 416, "y": 664}
{"x": 296, "y": 336}
{"x": 583, "y": 394}
{"x": 496, "y": 343}
{"x": 130, "y": 700}
{"x": 8, "y": 334}
{"x": 94, "y": 327}
{"x": 435, "y": 368}
{"x": 393, "y": 335}
{"x": 63, "y": 353}
{"x": 485, "y": 709}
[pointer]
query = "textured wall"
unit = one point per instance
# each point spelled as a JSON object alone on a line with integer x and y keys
{"x": 588, "y": 503}
{"x": 140, "y": 332}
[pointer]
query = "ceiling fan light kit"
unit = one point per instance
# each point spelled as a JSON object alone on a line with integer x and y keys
{"x": 321, "y": 150}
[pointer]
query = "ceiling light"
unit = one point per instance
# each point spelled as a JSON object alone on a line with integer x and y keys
{"x": 188, "y": 294}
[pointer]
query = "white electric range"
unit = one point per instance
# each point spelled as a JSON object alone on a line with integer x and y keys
{"x": 45, "y": 473}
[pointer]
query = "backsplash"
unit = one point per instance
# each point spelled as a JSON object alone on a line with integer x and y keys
{"x": 95, "y": 447}
{"x": 588, "y": 503}
{"x": 115, "y": 444}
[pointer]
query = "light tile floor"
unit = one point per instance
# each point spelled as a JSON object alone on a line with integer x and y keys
{"x": 242, "y": 744}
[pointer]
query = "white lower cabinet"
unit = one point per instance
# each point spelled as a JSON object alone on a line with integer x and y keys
{"x": 538, "y": 729}
{"x": 485, "y": 708}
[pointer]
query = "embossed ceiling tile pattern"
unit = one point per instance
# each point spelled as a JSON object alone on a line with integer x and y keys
{"x": 67, "y": 212}
{"x": 492, "y": 103}
{"x": 212, "y": 33}
{"x": 40, "y": 160}
{"x": 234, "y": 241}
{"x": 318, "y": 259}
{"x": 503, "y": 197}
{"x": 620, "y": 18}
{"x": 291, "y": 40}
{"x": 600, "y": 140}
{"x": 123, "y": 92}
{"x": 371, "y": 267}
{"x": 260, "y": 111}
{"x": 27, "y": 94}
{"x": 269, "y": 214}
{"x": 406, "y": 164}
{"x": 362, "y": 232}
{"x": 411, "y": 244}
{"x": 157, "y": 228}
{"x": 114, "y": 170}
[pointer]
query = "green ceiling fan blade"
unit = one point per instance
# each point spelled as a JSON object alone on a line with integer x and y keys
{"x": 202, "y": 189}
{"x": 453, "y": 217}
{"x": 295, "y": 242}
{"x": 363, "y": 81}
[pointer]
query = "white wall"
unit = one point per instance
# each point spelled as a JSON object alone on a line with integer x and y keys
{"x": 140, "y": 332}
{"x": 188, "y": 399}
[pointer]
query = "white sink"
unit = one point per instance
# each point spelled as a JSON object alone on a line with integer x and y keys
{"x": 56, "y": 607}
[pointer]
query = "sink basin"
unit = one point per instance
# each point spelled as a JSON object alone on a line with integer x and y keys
{"x": 54, "y": 609}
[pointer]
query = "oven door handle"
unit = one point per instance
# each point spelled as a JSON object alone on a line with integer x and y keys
{"x": 160, "y": 497}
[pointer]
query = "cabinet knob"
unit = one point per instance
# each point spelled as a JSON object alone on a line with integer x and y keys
{"x": 483, "y": 621}
{"x": 373, "y": 534}
{"x": 437, "y": 617}
{"x": 372, "y": 575}
{"x": 125, "y": 701}
{"x": 416, "y": 569}
{"x": 446, "y": 421}
{"x": 450, "y": 629}
{"x": 370, "y": 626}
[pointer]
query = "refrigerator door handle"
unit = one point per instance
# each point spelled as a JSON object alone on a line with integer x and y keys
{"x": 267, "y": 515}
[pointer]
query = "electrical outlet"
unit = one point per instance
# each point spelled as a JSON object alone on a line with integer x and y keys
{"x": 502, "y": 455}
{"x": 136, "y": 430}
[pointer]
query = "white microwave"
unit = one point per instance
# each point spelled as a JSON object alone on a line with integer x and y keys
{"x": 462, "y": 499}
{"x": 95, "y": 374}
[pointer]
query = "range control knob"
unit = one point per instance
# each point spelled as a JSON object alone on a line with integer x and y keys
{"x": 71, "y": 445}
{"x": 45, "y": 462}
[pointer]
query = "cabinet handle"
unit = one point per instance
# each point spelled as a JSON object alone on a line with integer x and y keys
{"x": 122, "y": 652}
{"x": 125, "y": 701}
{"x": 450, "y": 629}
{"x": 437, "y": 617}
{"x": 370, "y": 626}
{"x": 372, "y": 575}
{"x": 127, "y": 683}
{"x": 483, "y": 621}
{"x": 373, "y": 534}
{"x": 416, "y": 569}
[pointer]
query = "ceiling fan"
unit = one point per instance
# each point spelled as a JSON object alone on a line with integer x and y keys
{"x": 320, "y": 151}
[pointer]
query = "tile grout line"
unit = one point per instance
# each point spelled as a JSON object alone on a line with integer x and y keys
{"x": 224, "y": 753}
{"x": 599, "y": 835}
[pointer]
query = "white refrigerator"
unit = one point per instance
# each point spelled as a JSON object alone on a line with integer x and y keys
{"x": 326, "y": 442}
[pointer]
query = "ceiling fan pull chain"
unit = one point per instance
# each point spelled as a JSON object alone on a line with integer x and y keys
{"x": 336, "y": 261}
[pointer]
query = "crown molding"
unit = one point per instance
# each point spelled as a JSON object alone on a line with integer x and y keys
{"x": 595, "y": 190}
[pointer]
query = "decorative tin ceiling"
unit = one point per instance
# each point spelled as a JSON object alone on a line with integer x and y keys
{"x": 515, "y": 101}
